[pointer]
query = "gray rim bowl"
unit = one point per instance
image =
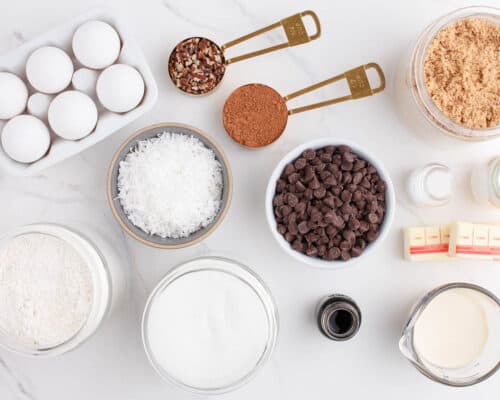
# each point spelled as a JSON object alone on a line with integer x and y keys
{"x": 117, "y": 209}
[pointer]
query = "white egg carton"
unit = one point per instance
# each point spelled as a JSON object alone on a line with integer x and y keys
{"x": 15, "y": 61}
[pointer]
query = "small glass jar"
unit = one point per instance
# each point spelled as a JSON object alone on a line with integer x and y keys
{"x": 339, "y": 317}
{"x": 485, "y": 182}
{"x": 100, "y": 282}
{"x": 430, "y": 185}
{"x": 416, "y": 79}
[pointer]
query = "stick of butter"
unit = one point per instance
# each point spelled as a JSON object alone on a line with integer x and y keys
{"x": 478, "y": 241}
{"x": 427, "y": 243}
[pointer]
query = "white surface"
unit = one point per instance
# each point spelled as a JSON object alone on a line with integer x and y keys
{"x": 389, "y": 202}
{"x": 61, "y": 36}
{"x": 112, "y": 364}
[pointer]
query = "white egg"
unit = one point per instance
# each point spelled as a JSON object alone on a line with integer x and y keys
{"x": 13, "y": 95}
{"x": 85, "y": 80}
{"x": 72, "y": 115}
{"x": 96, "y": 44}
{"x": 38, "y": 104}
{"x": 49, "y": 69}
{"x": 25, "y": 138}
{"x": 120, "y": 88}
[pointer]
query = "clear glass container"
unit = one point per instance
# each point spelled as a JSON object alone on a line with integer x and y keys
{"x": 485, "y": 182}
{"x": 416, "y": 79}
{"x": 101, "y": 289}
{"x": 233, "y": 269}
{"x": 430, "y": 185}
{"x": 484, "y": 366}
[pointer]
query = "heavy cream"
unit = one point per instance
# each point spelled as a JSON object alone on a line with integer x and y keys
{"x": 452, "y": 330}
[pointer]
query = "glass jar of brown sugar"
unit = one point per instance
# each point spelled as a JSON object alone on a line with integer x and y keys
{"x": 453, "y": 73}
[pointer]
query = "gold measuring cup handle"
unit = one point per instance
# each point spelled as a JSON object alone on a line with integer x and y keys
{"x": 357, "y": 80}
{"x": 295, "y": 31}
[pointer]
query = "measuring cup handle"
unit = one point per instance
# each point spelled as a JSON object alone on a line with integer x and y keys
{"x": 317, "y": 24}
{"x": 358, "y": 82}
{"x": 295, "y": 31}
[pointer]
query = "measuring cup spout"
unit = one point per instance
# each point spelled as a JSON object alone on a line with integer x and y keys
{"x": 405, "y": 347}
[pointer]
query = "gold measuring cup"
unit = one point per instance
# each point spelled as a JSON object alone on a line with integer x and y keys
{"x": 197, "y": 64}
{"x": 256, "y": 115}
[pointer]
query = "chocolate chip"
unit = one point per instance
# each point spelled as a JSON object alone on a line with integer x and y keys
{"x": 299, "y": 186}
{"x": 300, "y": 163}
{"x": 297, "y": 245}
{"x": 345, "y": 255}
{"x": 356, "y": 252}
{"x": 303, "y": 227}
{"x": 349, "y": 157}
{"x": 314, "y": 184}
{"x": 357, "y": 178}
{"x": 346, "y": 196}
{"x": 291, "y": 199}
{"x": 281, "y": 229}
{"x": 333, "y": 253}
{"x": 320, "y": 192}
{"x": 293, "y": 177}
{"x": 372, "y": 218}
{"x": 280, "y": 185}
{"x": 309, "y": 174}
{"x": 309, "y": 154}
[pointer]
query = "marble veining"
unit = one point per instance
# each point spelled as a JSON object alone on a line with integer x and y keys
{"x": 112, "y": 364}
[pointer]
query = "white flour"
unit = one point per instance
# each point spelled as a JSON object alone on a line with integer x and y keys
{"x": 46, "y": 290}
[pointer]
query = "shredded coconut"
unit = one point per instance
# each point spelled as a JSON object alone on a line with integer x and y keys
{"x": 170, "y": 185}
{"x": 46, "y": 290}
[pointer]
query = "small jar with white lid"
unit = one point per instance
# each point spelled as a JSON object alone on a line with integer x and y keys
{"x": 55, "y": 290}
{"x": 430, "y": 185}
{"x": 485, "y": 182}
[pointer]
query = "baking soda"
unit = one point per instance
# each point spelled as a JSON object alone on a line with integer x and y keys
{"x": 46, "y": 290}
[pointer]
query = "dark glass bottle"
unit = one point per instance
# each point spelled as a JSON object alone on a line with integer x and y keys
{"x": 339, "y": 317}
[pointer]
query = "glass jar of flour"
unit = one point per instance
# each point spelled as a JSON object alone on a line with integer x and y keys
{"x": 54, "y": 290}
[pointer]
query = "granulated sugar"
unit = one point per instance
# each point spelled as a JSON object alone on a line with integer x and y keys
{"x": 208, "y": 329}
{"x": 46, "y": 290}
{"x": 170, "y": 185}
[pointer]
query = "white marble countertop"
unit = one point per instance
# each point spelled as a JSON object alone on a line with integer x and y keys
{"x": 112, "y": 364}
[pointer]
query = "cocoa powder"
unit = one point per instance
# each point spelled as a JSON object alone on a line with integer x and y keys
{"x": 462, "y": 72}
{"x": 255, "y": 115}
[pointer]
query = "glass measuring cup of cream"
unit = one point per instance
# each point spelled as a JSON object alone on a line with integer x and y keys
{"x": 452, "y": 334}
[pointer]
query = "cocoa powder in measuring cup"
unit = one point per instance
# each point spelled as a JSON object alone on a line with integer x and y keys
{"x": 255, "y": 115}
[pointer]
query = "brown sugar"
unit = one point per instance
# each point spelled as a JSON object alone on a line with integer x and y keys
{"x": 255, "y": 115}
{"x": 462, "y": 72}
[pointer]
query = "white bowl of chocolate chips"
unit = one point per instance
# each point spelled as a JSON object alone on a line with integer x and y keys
{"x": 329, "y": 203}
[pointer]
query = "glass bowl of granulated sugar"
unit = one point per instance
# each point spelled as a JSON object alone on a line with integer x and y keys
{"x": 169, "y": 185}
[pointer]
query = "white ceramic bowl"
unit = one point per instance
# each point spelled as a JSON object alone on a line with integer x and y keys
{"x": 390, "y": 201}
